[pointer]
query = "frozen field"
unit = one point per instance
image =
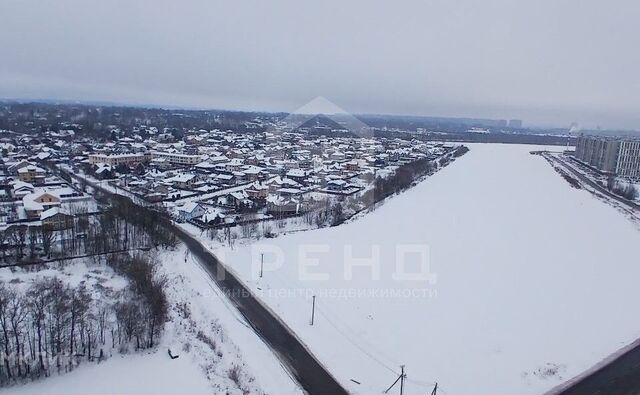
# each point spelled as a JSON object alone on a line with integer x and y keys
{"x": 533, "y": 282}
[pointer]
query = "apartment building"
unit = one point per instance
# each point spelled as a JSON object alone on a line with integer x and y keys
{"x": 118, "y": 159}
{"x": 134, "y": 158}
{"x": 614, "y": 156}
{"x": 629, "y": 159}
{"x": 177, "y": 158}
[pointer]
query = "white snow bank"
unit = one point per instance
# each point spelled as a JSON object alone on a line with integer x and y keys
{"x": 213, "y": 315}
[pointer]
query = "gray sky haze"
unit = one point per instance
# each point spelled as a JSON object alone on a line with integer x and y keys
{"x": 548, "y": 62}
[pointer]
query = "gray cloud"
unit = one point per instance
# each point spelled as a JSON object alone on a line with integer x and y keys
{"x": 546, "y": 61}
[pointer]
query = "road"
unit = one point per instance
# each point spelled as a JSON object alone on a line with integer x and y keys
{"x": 619, "y": 375}
{"x": 593, "y": 184}
{"x": 312, "y": 376}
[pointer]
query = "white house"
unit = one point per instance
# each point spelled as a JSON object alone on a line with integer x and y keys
{"x": 191, "y": 210}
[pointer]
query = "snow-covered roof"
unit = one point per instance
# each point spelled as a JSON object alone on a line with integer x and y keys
{"x": 188, "y": 207}
{"x": 296, "y": 173}
{"x": 51, "y": 212}
{"x": 290, "y": 191}
{"x": 181, "y": 178}
{"x": 338, "y": 182}
{"x": 29, "y": 168}
{"x": 31, "y": 205}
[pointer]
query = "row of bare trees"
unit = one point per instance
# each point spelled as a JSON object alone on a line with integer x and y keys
{"x": 128, "y": 223}
{"x": 52, "y": 326}
{"x": 21, "y": 241}
{"x": 122, "y": 226}
{"x": 49, "y": 326}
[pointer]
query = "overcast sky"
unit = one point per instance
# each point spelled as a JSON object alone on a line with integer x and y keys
{"x": 544, "y": 61}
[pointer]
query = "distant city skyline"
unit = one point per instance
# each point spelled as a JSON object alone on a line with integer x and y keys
{"x": 548, "y": 63}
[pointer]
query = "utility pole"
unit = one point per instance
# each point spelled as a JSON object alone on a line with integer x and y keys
{"x": 313, "y": 308}
{"x": 261, "y": 264}
{"x": 401, "y": 379}
{"x": 435, "y": 390}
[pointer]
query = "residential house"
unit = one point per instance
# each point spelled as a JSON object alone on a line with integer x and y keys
{"x": 337, "y": 185}
{"x": 32, "y": 174}
{"x": 257, "y": 191}
{"x": 182, "y": 181}
{"x": 56, "y": 219}
{"x": 282, "y": 207}
{"x": 190, "y": 211}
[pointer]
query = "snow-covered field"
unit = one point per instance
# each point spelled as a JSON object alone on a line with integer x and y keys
{"x": 529, "y": 281}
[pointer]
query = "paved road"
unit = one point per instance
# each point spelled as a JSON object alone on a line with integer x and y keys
{"x": 311, "y": 375}
{"x": 304, "y": 367}
{"x": 621, "y": 375}
{"x": 594, "y": 184}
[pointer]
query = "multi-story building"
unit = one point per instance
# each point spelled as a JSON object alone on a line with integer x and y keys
{"x": 32, "y": 174}
{"x": 177, "y": 158}
{"x": 118, "y": 159}
{"x": 613, "y": 156}
{"x": 629, "y": 159}
{"x": 515, "y": 123}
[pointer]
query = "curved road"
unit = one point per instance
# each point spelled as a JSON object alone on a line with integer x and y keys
{"x": 312, "y": 376}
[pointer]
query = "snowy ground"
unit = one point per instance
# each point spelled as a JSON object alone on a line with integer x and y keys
{"x": 131, "y": 374}
{"x": 205, "y": 331}
{"x": 531, "y": 281}
{"x": 101, "y": 280}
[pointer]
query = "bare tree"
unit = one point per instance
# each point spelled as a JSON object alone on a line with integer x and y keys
{"x": 78, "y": 308}
{"x": 17, "y": 235}
{"x": 38, "y": 301}
{"x": 48, "y": 238}
{"x": 33, "y": 238}
{"x": 3, "y": 242}
{"x": 5, "y": 297}
{"x": 17, "y": 313}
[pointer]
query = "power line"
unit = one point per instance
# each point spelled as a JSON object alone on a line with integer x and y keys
{"x": 356, "y": 344}
{"x": 360, "y": 339}
{"x": 351, "y": 338}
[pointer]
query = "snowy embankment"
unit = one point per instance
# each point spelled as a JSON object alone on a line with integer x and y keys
{"x": 208, "y": 330}
{"x": 527, "y": 287}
